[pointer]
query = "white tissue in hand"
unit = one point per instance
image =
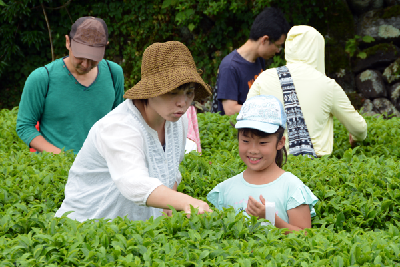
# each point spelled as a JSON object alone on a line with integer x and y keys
{"x": 269, "y": 213}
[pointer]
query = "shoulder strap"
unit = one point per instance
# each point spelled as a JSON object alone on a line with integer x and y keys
{"x": 214, "y": 104}
{"x": 112, "y": 76}
{"x": 109, "y": 67}
{"x": 48, "y": 84}
{"x": 299, "y": 137}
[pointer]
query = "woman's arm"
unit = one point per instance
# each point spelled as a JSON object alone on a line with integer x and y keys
{"x": 168, "y": 212}
{"x": 122, "y": 146}
{"x": 344, "y": 111}
{"x": 163, "y": 196}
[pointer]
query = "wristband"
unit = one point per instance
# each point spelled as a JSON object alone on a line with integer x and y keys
{"x": 269, "y": 213}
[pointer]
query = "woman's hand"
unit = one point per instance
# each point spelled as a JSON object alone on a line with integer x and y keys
{"x": 163, "y": 197}
{"x": 351, "y": 141}
{"x": 167, "y": 212}
{"x": 256, "y": 208}
{"x": 198, "y": 204}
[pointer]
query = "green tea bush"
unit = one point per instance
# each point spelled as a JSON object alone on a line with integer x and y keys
{"x": 357, "y": 222}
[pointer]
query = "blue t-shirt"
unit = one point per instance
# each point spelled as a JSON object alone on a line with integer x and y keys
{"x": 235, "y": 77}
{"x": 287, "y": 192}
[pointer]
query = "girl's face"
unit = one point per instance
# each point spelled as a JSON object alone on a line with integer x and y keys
{"x": 172, "y": 105}
{"x": 258, "y": 153}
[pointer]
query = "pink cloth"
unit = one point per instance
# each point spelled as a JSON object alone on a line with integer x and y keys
{"x": 37, "y": 128}
{"x": 193, "y": 131}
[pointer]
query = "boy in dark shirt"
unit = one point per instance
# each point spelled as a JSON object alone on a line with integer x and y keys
{"x": 241, "y": 67}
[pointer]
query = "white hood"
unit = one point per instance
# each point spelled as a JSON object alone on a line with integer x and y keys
{"x": 305, "y": 44}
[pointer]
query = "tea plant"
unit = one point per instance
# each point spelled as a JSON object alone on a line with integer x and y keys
{"x": 357, "y": 220}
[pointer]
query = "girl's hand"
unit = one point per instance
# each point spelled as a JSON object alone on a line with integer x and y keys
{"x": 256, "y": 208}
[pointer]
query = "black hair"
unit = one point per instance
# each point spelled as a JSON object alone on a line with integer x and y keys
{"x": 249, "y": 132}
{"x": 271, "y": 22}
{"x": 145, "y": 102}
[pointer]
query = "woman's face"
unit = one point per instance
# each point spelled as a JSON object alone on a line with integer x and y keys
{"x": 172, "y": 105}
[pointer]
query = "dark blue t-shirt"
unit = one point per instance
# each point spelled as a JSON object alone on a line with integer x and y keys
{"x": 235, "y": 77}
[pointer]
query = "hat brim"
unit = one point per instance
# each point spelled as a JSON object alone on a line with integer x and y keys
{"x": 166, "y": 81}
{"x": 257, "y": 125}
{"x": 95, "y": 53}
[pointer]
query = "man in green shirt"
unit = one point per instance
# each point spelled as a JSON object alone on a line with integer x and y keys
{"x": 70, "y": 94}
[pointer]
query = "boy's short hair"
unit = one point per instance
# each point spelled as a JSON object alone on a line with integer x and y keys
{"x": 271, "y": 22}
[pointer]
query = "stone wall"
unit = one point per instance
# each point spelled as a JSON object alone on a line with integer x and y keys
{"x": 372, "y": 80}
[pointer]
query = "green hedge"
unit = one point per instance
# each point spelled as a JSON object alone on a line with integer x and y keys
{"x": 357, "y": 220}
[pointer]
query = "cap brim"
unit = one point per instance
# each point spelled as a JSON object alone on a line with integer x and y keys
{"x": 257, "y": 125}
{"x": 95, "y": 53}
{"x": 163, "y": 82}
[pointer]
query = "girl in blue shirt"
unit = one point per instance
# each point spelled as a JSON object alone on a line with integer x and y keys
{"x": 261, "y": 124}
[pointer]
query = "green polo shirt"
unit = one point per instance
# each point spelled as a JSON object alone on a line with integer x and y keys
{"x": 66, "y": 109}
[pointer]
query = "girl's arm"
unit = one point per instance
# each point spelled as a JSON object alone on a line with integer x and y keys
{"x": 299, "y": 217}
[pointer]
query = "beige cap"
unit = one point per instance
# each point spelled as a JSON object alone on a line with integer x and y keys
{"x": 89, "y": 37}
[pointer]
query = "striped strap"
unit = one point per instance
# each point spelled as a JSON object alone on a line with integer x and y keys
{"x": 299, "y": 138}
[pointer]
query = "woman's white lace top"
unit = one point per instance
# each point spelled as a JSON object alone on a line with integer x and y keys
{"x": 120, "y": 164}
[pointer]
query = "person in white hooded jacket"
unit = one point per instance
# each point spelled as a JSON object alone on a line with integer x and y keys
{"x": 319, "y": 97}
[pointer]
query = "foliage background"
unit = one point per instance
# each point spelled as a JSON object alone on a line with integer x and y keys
{"x": 210, "y": 28}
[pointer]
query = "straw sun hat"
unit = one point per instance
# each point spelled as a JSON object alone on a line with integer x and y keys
{"x": 166, "y": 66}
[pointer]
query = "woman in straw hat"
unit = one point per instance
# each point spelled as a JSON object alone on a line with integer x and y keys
{"x": 129, "y": 163}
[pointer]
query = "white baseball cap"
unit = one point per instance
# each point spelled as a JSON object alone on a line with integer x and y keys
{"x": 263, "y": 112}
